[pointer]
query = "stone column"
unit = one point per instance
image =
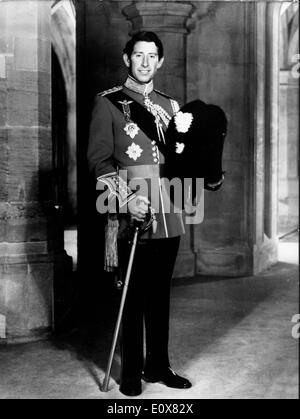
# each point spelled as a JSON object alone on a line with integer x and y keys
{"x": 30, "y": 234}
{"x": 232, "y": 63}
{"x": 169, "y": 20}
{"x": 288, "y": 176}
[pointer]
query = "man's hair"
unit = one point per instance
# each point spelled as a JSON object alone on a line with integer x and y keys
{"x": 146, "y": 37}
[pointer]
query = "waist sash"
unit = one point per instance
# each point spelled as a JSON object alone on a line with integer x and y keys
{"x": 144, "y": 171}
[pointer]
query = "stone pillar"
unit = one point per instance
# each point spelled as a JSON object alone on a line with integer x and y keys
{"x": 232, "y": 63}
{"x": 30, "y": 235}
{"x": 288, "y": 176}
{"x": 169, "y": 20}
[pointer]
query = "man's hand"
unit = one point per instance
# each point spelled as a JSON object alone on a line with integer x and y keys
{"x": 138, "y": 207}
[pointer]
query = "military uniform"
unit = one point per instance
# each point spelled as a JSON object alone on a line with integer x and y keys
{"x": 112, "y": 150}
{"x": 128, "y": 122}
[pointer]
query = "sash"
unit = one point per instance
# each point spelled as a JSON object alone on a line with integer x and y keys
{"x": 138, "y": 114}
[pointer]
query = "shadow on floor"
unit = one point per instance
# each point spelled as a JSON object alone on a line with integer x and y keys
{"x": 203, "y": 309}
{"x": 86, "y": 331}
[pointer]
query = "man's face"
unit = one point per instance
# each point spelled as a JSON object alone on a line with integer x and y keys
{"x": 144, "y": 61}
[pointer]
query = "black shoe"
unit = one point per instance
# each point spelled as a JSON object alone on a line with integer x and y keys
{"x": 131, "y": 387}
{"x": 167, "y": 377}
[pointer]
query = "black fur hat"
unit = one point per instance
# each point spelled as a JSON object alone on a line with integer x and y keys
{"x": 194, "y": 141}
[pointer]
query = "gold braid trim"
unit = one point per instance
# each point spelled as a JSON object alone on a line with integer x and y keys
{"x": 113, "y": 90}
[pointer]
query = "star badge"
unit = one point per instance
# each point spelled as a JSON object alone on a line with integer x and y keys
{"x": 131, "y": 129}
{"x": 134, "y": 151}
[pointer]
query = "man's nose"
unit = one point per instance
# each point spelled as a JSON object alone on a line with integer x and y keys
{"x": 145, "y": 61}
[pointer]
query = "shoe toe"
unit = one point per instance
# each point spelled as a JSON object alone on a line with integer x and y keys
{"x": 177, "y": 382}
{"x": 169, "y": 378}
{"x": 186, "y": 383}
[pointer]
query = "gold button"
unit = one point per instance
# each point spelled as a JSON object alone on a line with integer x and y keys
{"x": 155, "y": 160}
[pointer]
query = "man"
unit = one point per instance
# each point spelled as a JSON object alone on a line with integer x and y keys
{"x": 128, "y": 123}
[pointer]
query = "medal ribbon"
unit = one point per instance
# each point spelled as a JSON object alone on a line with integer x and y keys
{"x": 126, "y": 109}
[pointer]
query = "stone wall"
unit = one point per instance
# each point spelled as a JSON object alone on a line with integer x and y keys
{"x": 221, "y": 60}
{"x": 27, "y": 226}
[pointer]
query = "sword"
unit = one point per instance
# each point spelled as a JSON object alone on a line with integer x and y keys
{"x": 137, "y": 228}
{"x": 117, "y": 327}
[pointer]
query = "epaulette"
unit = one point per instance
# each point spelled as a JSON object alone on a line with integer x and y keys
{"x": 113, "y": 90}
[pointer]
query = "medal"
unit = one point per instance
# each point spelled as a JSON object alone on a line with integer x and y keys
{"x": 130, "y": 128}
{"x": 134, "y": 151}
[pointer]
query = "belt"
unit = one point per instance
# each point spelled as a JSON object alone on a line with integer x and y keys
{"x": 144, "y": 171}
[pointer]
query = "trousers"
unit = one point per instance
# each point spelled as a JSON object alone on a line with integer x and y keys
{"x": 147, "y": 304}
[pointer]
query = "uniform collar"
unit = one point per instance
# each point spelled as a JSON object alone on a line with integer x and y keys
{"x": 135, "y": 86}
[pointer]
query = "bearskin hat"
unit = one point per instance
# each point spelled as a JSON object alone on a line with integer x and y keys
{"x": 194, "y": 143}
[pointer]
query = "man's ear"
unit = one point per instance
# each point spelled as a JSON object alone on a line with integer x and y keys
{"x": 160, "y": 62}
{"x": 126, "y": 60}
